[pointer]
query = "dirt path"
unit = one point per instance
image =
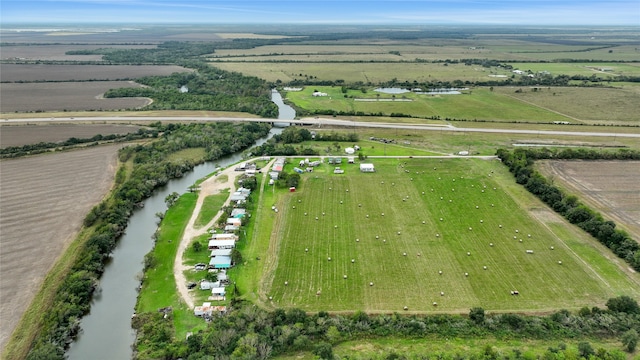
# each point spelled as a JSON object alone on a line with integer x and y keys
{"x": 208, "y": 187}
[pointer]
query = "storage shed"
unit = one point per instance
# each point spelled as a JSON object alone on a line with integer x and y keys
{"x": 367, "y": 168}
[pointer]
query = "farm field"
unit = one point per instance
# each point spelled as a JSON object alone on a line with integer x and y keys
{"x": 41, "y": 72}
{"x": 611, "y": 187}
{"x": 33, "y": 134}
{"x": 481, "y": 104}
{"x": 364, "y": 72}
{"x": 587, "y": 105}
{"x": 58, "y": 52}
{"x": 44, "y": 200}
{"x": 465, "y": 241}
{"x": 65, "y": 96}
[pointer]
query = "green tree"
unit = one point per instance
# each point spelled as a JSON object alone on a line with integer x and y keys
{"x": 585, "y": 349}
{"x": 476, "y": 315}
{"x": 630, "y": 340}
{"x": 196, "y": 246}
{"x": 171, "y": 199}
{"x": 324, "y": 350}
{"x": 623, "y": 304}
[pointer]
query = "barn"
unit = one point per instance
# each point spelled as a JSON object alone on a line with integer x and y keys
{"x": 367, "y": 168}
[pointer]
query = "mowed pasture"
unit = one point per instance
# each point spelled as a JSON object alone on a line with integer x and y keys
{"x": 481, "y": 104}
{"x": 20, "y": 135}
{"x": 455, "y": 216}
{"x": 43, "y": 72}
{"x": 65, "y": 96}
{"x": 43, "y": 200}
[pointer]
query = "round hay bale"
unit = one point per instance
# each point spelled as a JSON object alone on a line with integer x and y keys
{"x": 468, "y": 254}
{"x": 316, "y": 218}
{"x": 440, "y": 272}
{"x": 347, "y": 190}
{"x": 490, "y": 244}
{"x": 318, "y": 293}
{"x": 477, "y": 207}
{"x": 335, "y": 226}
{"x": 299, "y": 200}
{"x": 398, "y": 232}
{"x": 441, "y": 293}
{"x": 552, "y": 248}
{"x": 484, "y": 268}
{"x": 470, "y": 229}
{"x": 528, "y": 235}
{"x": 323, "y": 213}
{"x": 439, "y": 178}
{"x": 273, "y": 208}
{"x": 328, "y": 259}
{"x": 500, "y": 226}
{"x": 359, "y": 205}
{"x": 353, "y": 261}
{"x": 367, "y": 215}
{"x": 441, "y": 198}
{"x": 450, "y": 200}
{"x": 437, "y": 235}
{"x": 377, "y": 237}
{"x": 371, "y": 284}
{"x": 404, "y": 254}
{"x": 441, "y": 219}
{"x": 340, "y": 201}
{"x": 423, "y": 193}
{"x": 344, "y": 276}
{"x": 559, "y": 262}
{"x": 306, "y": 250}
{"x": 270, "y": 297}
{"x": 466, "y": 274}
{"x": 424, "y": 222}
{"x": 491, "y": 205}
{"x": 384, "y": 241}
{"x": 286, "y": 283}
{"x": 382, "y": 214}
{"x": 405, "y": 308}
{"x": 453, "y": 189}
{"x": 305, "y": 214}
{"x": 520, "y": 240}
{"x": 330, "y": 189}
{"x": 514, "y": 237}
{"x": 481, "y": 221}
{"x": 454, "y": 180}
{"x": 517, "y": 231}
{"x": 494, "y": 188}
{"x": 435, "y": 303}
{"x": 357, "y": 240}
{"x": 418, "y": 254}
{"x": 434, "y": 168}
{"x": 294, "y": 206}
{"x": 482, "y": 190}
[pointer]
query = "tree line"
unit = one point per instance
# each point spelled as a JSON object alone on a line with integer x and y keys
{"x": 108, "y": 220}
{"x": 520, "y": 163}
{"x": 250, "y": 332}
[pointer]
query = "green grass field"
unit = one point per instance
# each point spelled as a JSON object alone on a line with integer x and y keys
{"x": 480, "y": 104}
{"x": 304, "y": 244}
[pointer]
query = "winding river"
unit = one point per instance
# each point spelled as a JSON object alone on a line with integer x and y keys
{"x": 106, "y": 330}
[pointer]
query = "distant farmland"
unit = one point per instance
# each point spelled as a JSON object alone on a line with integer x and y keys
{"x": 39, "y": 72}
{"x": 487, "y": 220}
{"x": 24, "y": 135}
{"x": 61, "y": 96}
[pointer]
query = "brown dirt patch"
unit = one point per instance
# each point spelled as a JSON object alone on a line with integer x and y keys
{"x": 58, "y": 52}
{"x": 43, "y": 200}
{"x": 32, "y": 134}
{"x": 39, "y": 72}
{"x": 611, "y": 187}
{"x": 62, "y": 96}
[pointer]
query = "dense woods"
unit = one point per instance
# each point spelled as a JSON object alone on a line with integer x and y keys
{"x": 520, "y": 163}
{"x": 108, "y": 220}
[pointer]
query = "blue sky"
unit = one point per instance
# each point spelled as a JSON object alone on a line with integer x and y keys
{"x": 490, "y": 12}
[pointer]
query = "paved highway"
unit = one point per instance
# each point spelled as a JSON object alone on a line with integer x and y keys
{"x": 323, "y": 122}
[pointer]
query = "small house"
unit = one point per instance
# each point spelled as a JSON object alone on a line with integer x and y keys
{"x": 208, "y": 285}
{"x": 367, "y": 168}
{"x": 218, "y": 291}
{"x": 273, "y": 175}
{"x": 224, "y": 237}
{"x": 231, "y": 228}
{"x": 220, "y": 252}
{"x": 206, "y": 310}
{"x": 238, "y": 213}
{"x": 234, "y": 221}
{"x": 220, "y": 262}
{"x": 221, "y": 244}
{"x": 351, "y": 159}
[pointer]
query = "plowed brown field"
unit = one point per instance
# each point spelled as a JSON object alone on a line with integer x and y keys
{"x": 43, "y": 200}
{"x": 61, "y": 96}
{"x": 611, "y": 187}
{"x": 23, "y": 135}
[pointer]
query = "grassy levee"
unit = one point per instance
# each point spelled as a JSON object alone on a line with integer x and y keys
{"x": 495, "y": 235}
{"x": 159, "y": 286}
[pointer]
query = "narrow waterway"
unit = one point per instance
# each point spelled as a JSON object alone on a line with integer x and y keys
{"x": 106, "y": 330}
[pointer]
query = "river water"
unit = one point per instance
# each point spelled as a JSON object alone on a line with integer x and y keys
{"x": 106, "y": 330}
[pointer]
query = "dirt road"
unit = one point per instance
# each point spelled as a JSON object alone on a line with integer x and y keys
{"x": 210, "y": 186}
